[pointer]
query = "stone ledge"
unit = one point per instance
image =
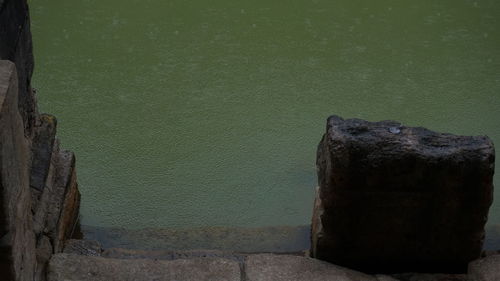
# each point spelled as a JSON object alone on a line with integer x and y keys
{"x": 269, "y": 267}
{"x": 83, "y": 268}
{"x": 486, "y": 269}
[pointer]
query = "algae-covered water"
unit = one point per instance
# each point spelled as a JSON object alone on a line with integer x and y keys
{"x": 208, "y": 112}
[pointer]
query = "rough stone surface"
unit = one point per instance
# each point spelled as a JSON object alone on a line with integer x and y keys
{"x": 43, "y": 201}
{"x": 62, "y": 214}
{"x": 70, "y": 209}
{"x": 82, "y": 247}
{"x": 400, "y": 199}
{"x": 43, "y": 254}
{"x": 430, "y": 277}
{"x": 118, "y": 253}
{"x": 381, "y": 277}
{"x": 75, "y": 267}
{"x": 35, "y": 164}
{"x": 43, "y": 142}
{"x": 268, "y": 267}
{"x": 486, "y": 269}
{"x": 17, "y": 240}
{"x": 16, "y": 46}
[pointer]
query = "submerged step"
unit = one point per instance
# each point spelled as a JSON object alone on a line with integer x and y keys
{"x": 118, "y": 253}
{"x": 269, "y": 267}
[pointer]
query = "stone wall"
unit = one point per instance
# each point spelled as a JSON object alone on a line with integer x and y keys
{"x": 17, "y": 250}
{"x": 39, "y": 197}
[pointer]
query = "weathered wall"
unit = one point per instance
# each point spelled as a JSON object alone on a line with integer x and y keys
{"x": 39, "y": 197}
{"x": 17, "y": 250}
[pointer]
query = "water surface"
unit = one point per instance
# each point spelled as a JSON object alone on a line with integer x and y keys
{"x": 208, "y": 113}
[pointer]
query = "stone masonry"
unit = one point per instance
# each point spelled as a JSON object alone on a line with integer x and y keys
{"x": 393, "y": 198}
{"x": 39, "y": 197}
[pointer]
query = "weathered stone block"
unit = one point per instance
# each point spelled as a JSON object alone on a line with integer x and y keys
{"x": 17, "y": 241}
{"x": 486, "y": 269}
{"x": 82, "y": 268}
{"x": 430, "y": 277}
{"x": 43, "y": 200}
{"x": 41, "y": 150}
{"x": 268, "y": 267}
{"x": 43, "y": 253}
{"x": 400, "y": 199}
{"x": 120, "y": 253}
{"x": 62, "y": 213}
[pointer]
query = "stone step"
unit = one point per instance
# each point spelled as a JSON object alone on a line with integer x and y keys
{"x": 77, "y": 267}
{"x": 80, "y": 256}
{"x": 93, "y": 248}
{"x": 119, "y": 253}
{"x": 255, "y": 267}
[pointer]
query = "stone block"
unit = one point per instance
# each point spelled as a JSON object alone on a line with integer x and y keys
{"x": 395, "y": 199}
{"x": 120, "y": 253}
{"x": 430, "y": 277}
{"x": 75, "y": 267}
{"x": 62, "y": 213}
{"x": 82, "y": 247}
{"x": 486, "y": 269}
{"x": 41, "y": 150}
{"x": 17, "y": 240}
{"x": 43, "y": 253}
{"x": 269, "y": 267}
{"x": 43, "y": 200}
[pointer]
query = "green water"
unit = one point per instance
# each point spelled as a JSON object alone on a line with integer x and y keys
{"x": 207, "y": 113}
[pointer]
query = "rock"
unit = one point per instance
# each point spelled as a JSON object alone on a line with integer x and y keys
{"x": 41, "y": 150}
{"x": 56, "y": 210}
{"x": 43, "y": 200}
{"x": 268, "y": 267}
{"x": 381, "y": 277}
{"x": 75, "y": 267}
{"x": 26, "y": 144}
{"x": 489, "y": 253}
{"x": 68, "y": 218}
{"x": 400, "y": 199}
{"x": 62, "y": 214}
{"x": 486, "y": 269}
{"x": 16, "y": 46}
{"x": 17, "y": 240}
{"x": 43, "y": 254}
{"x": 82, "y": 247}
{"x": 430, "y": 277}
{"x": 119, "y": 253}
